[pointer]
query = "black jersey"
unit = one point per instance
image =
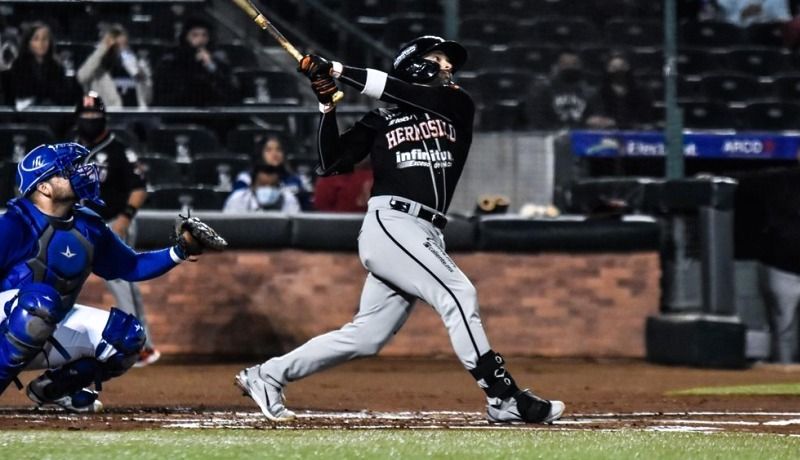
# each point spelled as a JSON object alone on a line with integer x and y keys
{"x": 120, "y": 174}
{"x": 418, "y": 148}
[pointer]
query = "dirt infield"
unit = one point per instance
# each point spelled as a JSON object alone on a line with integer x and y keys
{"x": 378, "y": 393}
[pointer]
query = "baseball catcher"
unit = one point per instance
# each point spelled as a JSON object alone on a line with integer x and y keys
{"x": 49, "y": 244}
{"x": 418, "y": 147}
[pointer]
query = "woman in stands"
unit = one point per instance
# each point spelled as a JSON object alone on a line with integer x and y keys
{"x": 273, "y": 154}
{"x": 36, "y": 77}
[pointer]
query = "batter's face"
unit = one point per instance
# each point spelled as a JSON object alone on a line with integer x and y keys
{"x": 445, "y": 67}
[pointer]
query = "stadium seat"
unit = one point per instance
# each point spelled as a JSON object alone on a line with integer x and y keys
{"x": 758, "y": 61}
{"x": 249, "y": 140}
{"x": 404, "y": 27}
{"x": 606, "y": 10}
{"x": 72, "y": 55}
{"x": 707, "y": 115}
{"x": 634, "y": 32}
{"x": 730, "y": 87}
{"x": 480, "y": 56}
{"x": 183, "y": 142}
{"x": 646, "y": 59}
{"x": 237, "y": 54}
{"x": 268, "y": 87}
{"x": 695, "y": 61}
{"x": 8, "y": 173}
{"x": 771, "y": 116}
{"x": 787, "y": 86}
{"x": 501, "y": 116}
{"x": 559, "y": 31}
{"x": 710, "y": 33}
{"x": 219, "y": 171}
{"x": 532, "y": 58}
{"x": 178, "y": 197}
{"x": 418, "y": 6}
{"x": 161, "y": 170}
{"x": 765, "y": 34}
{"x": 504, "y": 84}
{"x": 563, "y": 8}
{"x": 494, "y": 30}
{"x": 18, "y": 139}
{"x": 150, "y": 51}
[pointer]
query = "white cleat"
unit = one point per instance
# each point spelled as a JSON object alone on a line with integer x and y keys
{"x": 268, "y": 395}
{"x": 524, "y": 407}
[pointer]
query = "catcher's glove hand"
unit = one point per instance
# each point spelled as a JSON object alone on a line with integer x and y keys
{"x": 194, "y": 236}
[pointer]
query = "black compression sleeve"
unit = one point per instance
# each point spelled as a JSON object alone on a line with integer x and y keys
{"x": 450, "y": 103}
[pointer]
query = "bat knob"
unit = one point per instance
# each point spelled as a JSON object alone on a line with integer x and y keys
{"x": 337, "y": 97}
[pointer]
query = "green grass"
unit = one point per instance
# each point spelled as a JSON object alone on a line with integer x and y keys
{"x": 378, "y": 444}
{"x": 766, "y": 389}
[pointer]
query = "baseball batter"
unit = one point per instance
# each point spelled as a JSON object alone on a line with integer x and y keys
{"x": 48, "y": 247}
{"x": 418, "y": 148}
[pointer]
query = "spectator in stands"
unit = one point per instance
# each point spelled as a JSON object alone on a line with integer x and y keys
{"x": 562, "y": 102}
{"x": 36, "y": 77}
{"x": 745, "y": 12}
{"x": 264, "y": 193}
{"x": 620, "y": 102}
{"x": 114, "y": 72}
{"x": 344, "y": 192}
{"x": 122, "y": 188}
{"x": 273, "y": 154}
{"x": 193, "y": 75}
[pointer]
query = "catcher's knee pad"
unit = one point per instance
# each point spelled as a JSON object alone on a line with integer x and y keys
{"x": 123, "y": 339}
{"x": 493, "y": 377}
{"x": 28, "y": 326}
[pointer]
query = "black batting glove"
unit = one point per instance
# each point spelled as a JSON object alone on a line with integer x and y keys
{"x": 312, "y": 66}
{"x": 324, "y": 88}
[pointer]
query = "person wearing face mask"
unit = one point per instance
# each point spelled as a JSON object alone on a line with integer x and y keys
{"x": 122, "y": 188}
{"x": 264, "y": 193}
{"x": 620, "y": 103}
{"x": 273, "y": 153}
{"x": 562, "y": 102}
{"x": 114, "y": 72}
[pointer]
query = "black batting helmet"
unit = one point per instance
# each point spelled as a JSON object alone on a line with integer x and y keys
{"x": 410, "y": 66}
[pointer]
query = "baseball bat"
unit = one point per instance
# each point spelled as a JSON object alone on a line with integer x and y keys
{"x": 265, "y": 24}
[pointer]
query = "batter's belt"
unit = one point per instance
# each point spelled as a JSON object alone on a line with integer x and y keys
{"x": 417, "y": 210}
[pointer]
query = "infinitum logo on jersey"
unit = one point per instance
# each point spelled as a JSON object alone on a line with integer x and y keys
{"x": 429, "y": 129}
{"x": 419, "y": 157}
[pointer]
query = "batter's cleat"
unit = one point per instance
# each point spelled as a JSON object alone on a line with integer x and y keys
{"x": 82, "y": 401}
{"x": 524, "y": 407}
{"x": 146, "y": 357}
{"x": 268, "y": 394}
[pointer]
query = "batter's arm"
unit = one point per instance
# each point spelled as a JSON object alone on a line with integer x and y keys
{"x": 448, "y": 102}
{"x": 338, "y": 153}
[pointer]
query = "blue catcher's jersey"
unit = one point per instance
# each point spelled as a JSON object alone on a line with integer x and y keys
{"x": 35, "y": 247}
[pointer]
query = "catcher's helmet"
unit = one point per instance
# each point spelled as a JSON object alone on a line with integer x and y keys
{"x": 45, "y": 161}
{"x": 410, "y": 66}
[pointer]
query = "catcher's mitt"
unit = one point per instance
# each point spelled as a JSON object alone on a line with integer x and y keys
{"x": 203, "y": 236}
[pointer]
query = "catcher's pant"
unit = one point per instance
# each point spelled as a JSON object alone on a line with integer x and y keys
{"x": 781, "y": 292}
{"x": 79, "y": 333}
{"x": 406, "y": 259}
{"x": 127, "y": 294}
